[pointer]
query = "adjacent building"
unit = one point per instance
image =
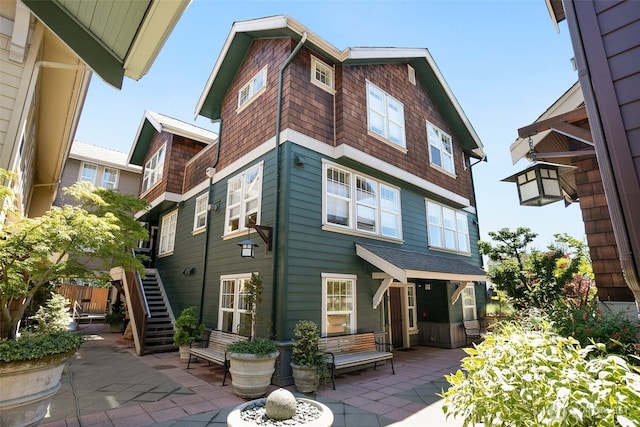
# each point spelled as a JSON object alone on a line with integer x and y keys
{"x": 346, "y": 175}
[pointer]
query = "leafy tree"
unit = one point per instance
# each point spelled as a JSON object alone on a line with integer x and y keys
{"x": 63, "y": 242}
{"x": 533, "y": 278}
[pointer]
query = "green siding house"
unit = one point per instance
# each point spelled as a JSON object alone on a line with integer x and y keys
{"x": 350, "y": 171}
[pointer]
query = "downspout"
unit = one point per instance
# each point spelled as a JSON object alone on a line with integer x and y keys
{"x": 277, "y": 304}
{"x": 205, "y": 251}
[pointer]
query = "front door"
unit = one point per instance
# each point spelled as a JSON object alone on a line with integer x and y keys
{"x": 395, "y": 308}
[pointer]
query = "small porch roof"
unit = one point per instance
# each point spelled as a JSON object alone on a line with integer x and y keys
{"x": 402, "y": 265}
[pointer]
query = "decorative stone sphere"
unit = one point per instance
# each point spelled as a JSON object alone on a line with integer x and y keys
{"x": 281, "y": 405}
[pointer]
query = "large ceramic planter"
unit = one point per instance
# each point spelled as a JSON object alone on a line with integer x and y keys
{"x": 116, "y": 328}
{"x": 251, "y": 374}
{"x": 305, "y": 378}
{"x": 27, "y": 389}
{"x": 325, "y": 419}
{"x": 183, "y": 350}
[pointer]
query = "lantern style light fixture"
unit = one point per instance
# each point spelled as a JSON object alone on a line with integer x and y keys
{"x": 539, "y": 183}
{"x": 247, "y": 248}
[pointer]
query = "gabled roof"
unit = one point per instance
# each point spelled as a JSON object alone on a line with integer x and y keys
{"x": 244, "y": 32}
{"x": 101, "y": 155}
{"x": 115, "y": 38}
{"x": 152, "y": 123}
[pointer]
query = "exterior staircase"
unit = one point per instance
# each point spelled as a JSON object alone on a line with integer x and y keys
{"x": 159, "y": 327}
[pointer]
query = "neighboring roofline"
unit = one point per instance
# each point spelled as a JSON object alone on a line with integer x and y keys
{"x": 244, "y": 32}
{"x": 569, "y": 101}
{"x": 154, "y": 122}
{"x": 104, "y": 162}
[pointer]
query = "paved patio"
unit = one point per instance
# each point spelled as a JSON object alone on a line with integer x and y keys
{"x": 106, "y": 384}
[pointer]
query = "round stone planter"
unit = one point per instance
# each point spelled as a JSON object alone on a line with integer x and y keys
{"x": 251, "y": 374}
{"x": 305, "y": 378}
{"x": 27, "y": 389}
{"x": 325, "y": 419}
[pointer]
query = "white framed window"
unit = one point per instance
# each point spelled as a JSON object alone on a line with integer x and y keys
{"x": 200, "y": 213}
{"x": 440, "y": 148}
{"x": 244, "y": 194}
{"x": 322, "y": 74}
{"x": 168, "y": 233}
{"x": 253, "y": 88}
{"x": 448, "y": 228}
{"x": 88, "y": 173}
{"x": 412, "y": 310}
{"x": 385, "y": 115}
{"x": 234, "y": 311}
{"x": 339, "y": 304}
{"x": 469, "y": 302}
{"x": 360, "y": 203}
{"x": 110, "y": 178}
{"x": 153, "y": 170}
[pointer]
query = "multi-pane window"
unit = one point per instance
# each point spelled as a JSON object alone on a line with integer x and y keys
{"x": 469, "y": 302}
{"x": 110, "y": 178}
{"x": 153, "y": 170}
{"x": 243, "y": 199}
{"x": 369, "y": 206}
{"x": 200, "y": 214}
{"x": 88, "y": 173}
{"x": 235, "y": 313}
{"x": 448, "y": 228}
{"x": 385, "y": 115}
{"x": 321, "y": 74}
{"x": 339, "y": 304}
{"x": 411, "y": 306}
{"x": 440, "y": 148}
{"x": 168, "y": 233}
{"x": 252, "y": 88}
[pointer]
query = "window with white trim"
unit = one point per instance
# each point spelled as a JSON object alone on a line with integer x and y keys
{"x": 253, "y": 88}
{"x": 411, "y": 307}
{"x": 321, "y": 74}
{"x": 385, "y": 115}
{"x": 88, "y": 173}
{"x": 440, "y": 148}
{"x": 244, "y": 194}
{"x": 110, "y": 178}
{"x": 369, "y": 206}
{"x": 153, "y": 170}
{"x": 339, "y": 304}
{"x": 200, "y": 213}
{"x": 234, "y": 311}
{"x": 469, "y": 302}
{"x": 168, "y": 233}
{"x": 448, "y": 228}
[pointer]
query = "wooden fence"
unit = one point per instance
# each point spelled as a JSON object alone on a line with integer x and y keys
{"x": 92, "y": 300}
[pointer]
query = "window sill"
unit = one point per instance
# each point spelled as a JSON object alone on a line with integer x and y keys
{"x": 199, "y": 231}
{"x": 166, "y": 254}
{"x": 336, "y": 229}
{"x": 449, "y": 251}
{"x": 443, "y": 170}
{"x": 387, "y": 141}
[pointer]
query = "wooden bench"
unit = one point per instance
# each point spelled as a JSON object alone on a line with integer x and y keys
{"x": 214, "y": 350}
{"x": 472, "y": 331}
{"x": 347, "y": 351}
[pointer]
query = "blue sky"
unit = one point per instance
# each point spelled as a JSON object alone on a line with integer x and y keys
{"x": 503, "y": 60}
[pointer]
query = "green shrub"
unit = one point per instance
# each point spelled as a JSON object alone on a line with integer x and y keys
{"x": 188, "y": 329}
{"x": 38, "y": 345}
{"x": 531, "y": 376}
{"x": 54, "y": 315}
{"x": 259, "y": 347}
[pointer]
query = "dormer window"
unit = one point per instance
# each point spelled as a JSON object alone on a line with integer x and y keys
{"x": 253, "y": 88}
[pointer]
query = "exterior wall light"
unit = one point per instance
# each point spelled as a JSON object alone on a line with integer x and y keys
{"x": 247, "y": 248}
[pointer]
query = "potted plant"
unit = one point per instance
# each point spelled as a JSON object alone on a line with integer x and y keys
{"x": 37, "y": 251}
{"x": 187, "y": 331}
{"x": 115, "y": 319}
{"x": 252, "y": 362}
{"x": 309, "y": 364}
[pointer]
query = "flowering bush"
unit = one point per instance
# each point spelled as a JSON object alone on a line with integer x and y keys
{"x": 531, "y": 376}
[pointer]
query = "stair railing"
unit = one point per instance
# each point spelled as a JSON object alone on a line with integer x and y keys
{"x": 138, "y": 308}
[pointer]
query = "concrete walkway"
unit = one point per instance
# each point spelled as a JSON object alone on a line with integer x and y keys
{"x": 107, "y": 384}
